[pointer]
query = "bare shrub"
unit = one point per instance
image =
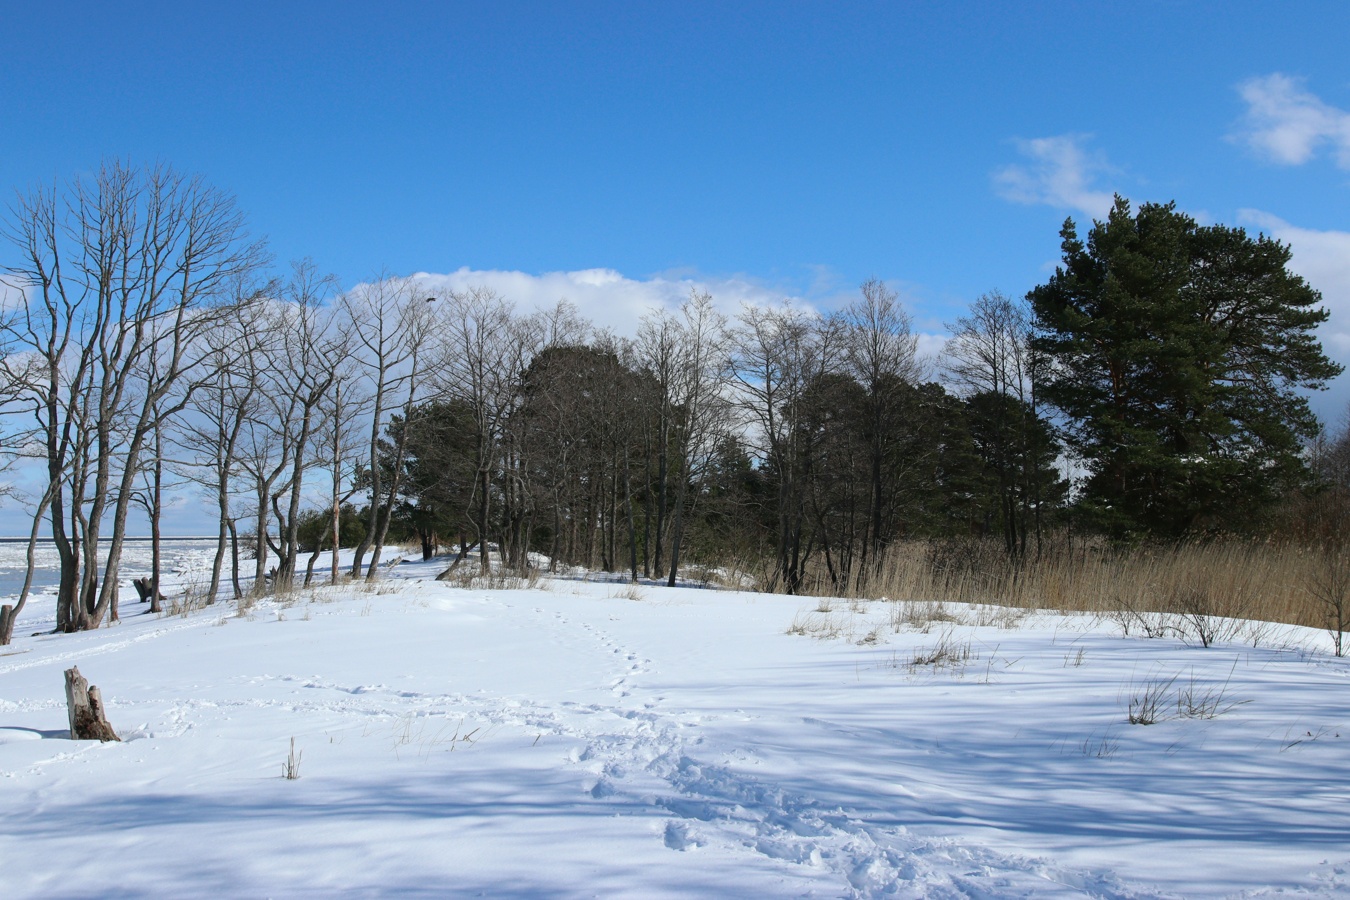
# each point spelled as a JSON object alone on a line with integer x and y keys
{"x": 1144, "y": 623}
{"x": 733, "y": 572}
{"x": 1198, "y": 701}
{"x": 184, "y": 604}
{"x": 947, "y": 653}
{"x": 1327, "y": 582}
{"x": 1148, "y": 701}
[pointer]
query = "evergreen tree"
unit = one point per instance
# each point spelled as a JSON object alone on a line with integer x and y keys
{"x": 1178, "y": 353}
{"x": 436, "y": 488}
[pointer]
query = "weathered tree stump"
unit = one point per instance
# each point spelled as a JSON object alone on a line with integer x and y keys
{"x": 148, "y": 590}
{"x": 88, "y": 721}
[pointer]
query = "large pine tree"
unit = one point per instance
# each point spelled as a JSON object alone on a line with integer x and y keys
{"x": 1179, "y": 354}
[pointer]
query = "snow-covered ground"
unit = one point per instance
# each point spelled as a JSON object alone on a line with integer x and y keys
{"x": 587, "y": 739}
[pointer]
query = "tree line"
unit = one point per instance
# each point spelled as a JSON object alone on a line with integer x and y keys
{"x": 147, "y": 343}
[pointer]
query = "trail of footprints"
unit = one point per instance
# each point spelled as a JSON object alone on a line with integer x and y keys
{"x": 646, "y": 757}
{"x": 650, "y": 759}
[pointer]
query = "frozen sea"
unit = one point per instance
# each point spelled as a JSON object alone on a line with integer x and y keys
{"x": 183, "y": 557}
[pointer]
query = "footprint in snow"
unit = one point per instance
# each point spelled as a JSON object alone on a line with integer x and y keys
{"x": 679, "y": 837}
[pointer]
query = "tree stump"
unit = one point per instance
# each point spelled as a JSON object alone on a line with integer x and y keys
{"x": 85, "y": 705}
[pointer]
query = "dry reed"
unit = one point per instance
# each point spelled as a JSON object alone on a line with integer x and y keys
{"x": 1195, "y": 584}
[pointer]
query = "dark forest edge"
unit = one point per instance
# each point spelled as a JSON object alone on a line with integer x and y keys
{"x": 1164, "y": 365}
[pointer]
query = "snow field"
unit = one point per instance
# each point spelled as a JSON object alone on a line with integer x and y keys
{"x": 588, "y": 739}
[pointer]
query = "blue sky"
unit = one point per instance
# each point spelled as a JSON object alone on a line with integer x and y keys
{"x": 796, "y": 148}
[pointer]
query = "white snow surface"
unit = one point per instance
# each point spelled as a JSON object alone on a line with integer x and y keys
{"x": 587, "y": 739}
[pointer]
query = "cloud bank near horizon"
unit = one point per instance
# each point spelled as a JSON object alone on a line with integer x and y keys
{"x": 614, "y": 302}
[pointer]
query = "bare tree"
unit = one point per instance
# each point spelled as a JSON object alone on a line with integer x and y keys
{"x": 390, "y": 323}
{"x": 657, "y": 350}
{"x": 341, "y": 447}
{"x": 120, "y": 267}
{"x": 478, "y": 365}
{"x": 989, "y": 357}
{"x": 211, "y": 431}
{"x": 778, "y": 354}
{"x": 314, "y": 349}
{"x": 21, "y": 377}
{"x": 699, "y": 375}
{"x": 880, "y": 350}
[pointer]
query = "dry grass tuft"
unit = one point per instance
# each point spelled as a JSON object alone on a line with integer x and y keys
{"x": 290, "y": 769}
{"x": 629, "y": 591}
{"x": 497, "y": 579}
{"x": 947, "y": 654}
{"x": 823, "y": 626}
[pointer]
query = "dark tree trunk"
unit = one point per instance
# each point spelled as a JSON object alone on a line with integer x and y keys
{"x": 7, "y": 617}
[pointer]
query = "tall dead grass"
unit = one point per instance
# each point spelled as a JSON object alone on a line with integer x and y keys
{"x": 1196, "y": 584}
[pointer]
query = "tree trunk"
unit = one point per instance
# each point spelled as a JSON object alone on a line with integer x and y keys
{"x": 309, "y": 567}
{"x": 234, "y": 559}
{"x": 9, "y": 614}
{"x": 156, "y": 505}
{"x": 84, "y": 703}
{"x": 632, "y": 526}
{"x": 465, "y": 549}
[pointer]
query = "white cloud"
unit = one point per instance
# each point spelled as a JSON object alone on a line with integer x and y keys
{"x": 609, "y": 299}
{"x": 1288, "y": 125}
{"x": 13, "y": 294}
{"x": 1323, "y": 259}
{"x": 1059, "y": 173}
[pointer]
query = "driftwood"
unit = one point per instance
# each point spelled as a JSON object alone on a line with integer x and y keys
{"x": 85, "y": 705}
